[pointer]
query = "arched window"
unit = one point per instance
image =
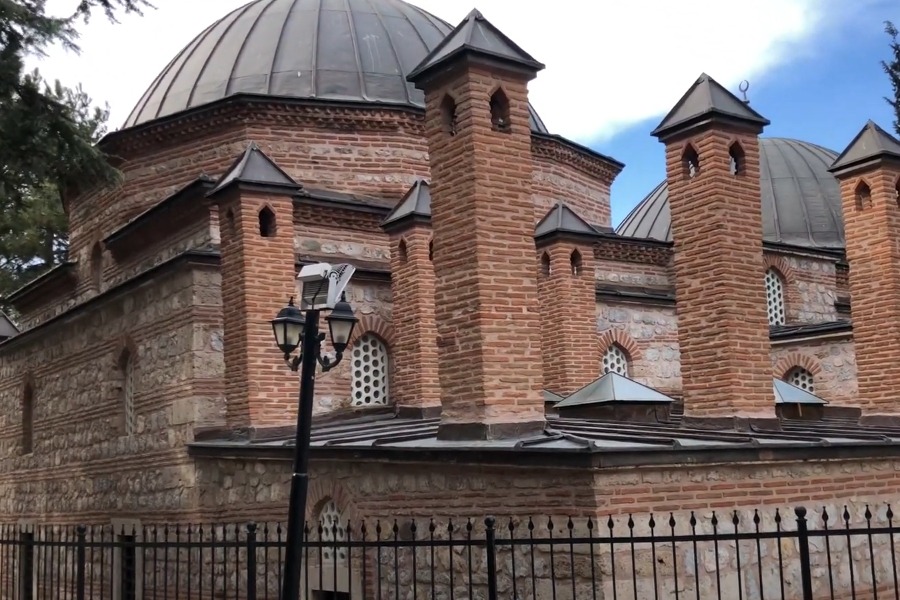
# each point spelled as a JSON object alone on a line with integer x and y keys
{"x": 736, "y": 154}
{"x": 448, "y": 115}
{"x": 690, "y": 162}
{"x": 332, "y": 530}
{"x": 576, "y": 263}
{"x": 267, "y": 222}
{"x": 615, "y": 360}
{"x": 500, "y": 111}
{"x": 775, "y": 297}
{"x": 28, "y": 419}
{"x": 369, "y": 374}
{"x": 863, "y": 196}
{"x": 126, "y": 399}
{"x": 402, "y": 251}
{"x": 897, "y": 191}
{"x": 545, "y": 264}
{"x": 801, "y": 378}
{"x": 431, "y": 250}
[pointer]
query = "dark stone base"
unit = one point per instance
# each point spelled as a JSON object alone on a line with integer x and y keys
{"x": 624, "y": 412}
{"x": 880, "y": 420}
{"x": 418, "y": 412}
{"x": 492, "y": 431}
{"x": 737, "y": 424}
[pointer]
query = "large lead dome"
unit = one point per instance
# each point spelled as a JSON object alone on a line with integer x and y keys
{"x": 349, "y": 50}
{"x": 801, "y": 201}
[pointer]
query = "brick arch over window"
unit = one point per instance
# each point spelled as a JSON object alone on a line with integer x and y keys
{"x": 786, "y": 364}
{"x": 322, "y": 491}
{"x": 782, "y": 266}
{"x": 375, "y": 325}
{"x": 622, "y": 339}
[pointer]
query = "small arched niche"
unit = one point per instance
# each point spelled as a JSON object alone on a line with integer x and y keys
{"x": 576, "y": 263}
{"x": 402, "y": 251}
{"x": 690, "y": 162}
{"x": 737, "y": 159}
{"x": 545, "y": 264}
{"x": 500, "y": 111}
{"x": 863, "y": 195}
{"x": 897, "y": 191}
{"x": 267, "y": 227}
{"x": 431, "y": 250}
{"x": 448, "y": 115}
{"x": 96, "y": 266}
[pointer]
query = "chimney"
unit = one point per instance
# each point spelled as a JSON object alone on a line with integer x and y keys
{"x": 869, "y": 175}
{"x": 567, "y": 286}
{"x": 416, "y": 390}
{"x": 712, "y": 169}
{"x": 486, "y": 303}
{"x": 256, "y": 219}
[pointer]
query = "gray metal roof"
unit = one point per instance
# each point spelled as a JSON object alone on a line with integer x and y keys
{"x": 801, "y": 200}
{"x": 415, "y": 203}
{"x": 477, "y": 35}
{"x": 613, "y": 387}
{"x": 8, "y": 329}
{"x": 619, "y": 441}
{"x": 341, "y": 50}
{"x": 254, "y": 167}
{"x": 785, "y": 393}
{"x": 562, "y": 219}
{"x": 707, "y": 99}
{"x": 871, "y": 142}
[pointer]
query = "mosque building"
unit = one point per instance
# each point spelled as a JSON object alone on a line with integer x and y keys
{"x": 732, "y": 344}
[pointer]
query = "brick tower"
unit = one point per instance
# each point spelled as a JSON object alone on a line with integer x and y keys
{"x": 417, "y": 387}
{"x": 257, "y": 231}
{"x": 869, "y": 175}
{"x": 486, "y": 304}
{"x": 567, "y": 285}
{"x": 712, "y": 168}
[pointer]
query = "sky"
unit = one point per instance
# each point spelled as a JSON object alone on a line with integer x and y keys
{"x": 613, "y": 68}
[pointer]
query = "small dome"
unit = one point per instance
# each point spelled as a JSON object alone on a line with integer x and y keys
{"x": 341, "y": 50}
{"x": 801, "y": 200}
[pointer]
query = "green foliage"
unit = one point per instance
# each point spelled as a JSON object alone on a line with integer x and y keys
{"x": 47, "y": 137}
{"x": 892, "y": 70}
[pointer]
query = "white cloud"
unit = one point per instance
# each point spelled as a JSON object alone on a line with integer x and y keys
{"x": 609, "y": 63}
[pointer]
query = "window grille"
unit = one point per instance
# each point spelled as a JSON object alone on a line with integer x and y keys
{"x": 333, "y": 531}
{"x": 369, "y": 376}
{"x": 801, "y": 378}
{"x": 775, "y": 297}
{"x": 615, "y": 360}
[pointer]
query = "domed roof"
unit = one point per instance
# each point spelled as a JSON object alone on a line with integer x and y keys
{"x": 344, "y": 50}
{"x": 801, "y": 200}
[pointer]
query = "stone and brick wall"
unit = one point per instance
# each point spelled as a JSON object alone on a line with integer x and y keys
{"x": 82, "y": 466}
{"x": 810, "y": 285}
{"x": 832, "y": 363}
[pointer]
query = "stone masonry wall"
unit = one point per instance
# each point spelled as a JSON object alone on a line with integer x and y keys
{"x": 810, "y": 286}
{"x": 555, "y": 181}
{"x": 244, "y": 490}
{"x": 83, "y": 465}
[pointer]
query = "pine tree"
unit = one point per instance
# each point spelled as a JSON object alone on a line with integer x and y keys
{"x": 892, "y": 69}
{"x": 47, "y": 138}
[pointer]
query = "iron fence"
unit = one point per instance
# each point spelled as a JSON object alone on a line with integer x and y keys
{"x": 847, "y": 553}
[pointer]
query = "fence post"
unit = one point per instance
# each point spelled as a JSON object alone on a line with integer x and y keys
{"x": 251, "y": 561}
{"x": 805, "y": 563}
{"x": 80, "y": 559}
{"x": 491, "y": 549}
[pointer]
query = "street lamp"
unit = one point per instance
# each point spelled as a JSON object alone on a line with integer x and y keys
{"x": 293, "y": 329}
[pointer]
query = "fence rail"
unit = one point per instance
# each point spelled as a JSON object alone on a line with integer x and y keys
{"x": 846, "y": 553}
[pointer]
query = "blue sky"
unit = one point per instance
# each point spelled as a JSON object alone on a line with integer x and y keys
{"x": 824, "y": 97}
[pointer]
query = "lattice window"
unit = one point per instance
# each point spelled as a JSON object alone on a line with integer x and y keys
{"x": 333, "y": 531}
{"x": 801, "y": 378}
{"x": 127, "y": 366}
{"x": 615, "y": 360}
{"x": 775, "y": 297}
{"x": 369, "y": 376}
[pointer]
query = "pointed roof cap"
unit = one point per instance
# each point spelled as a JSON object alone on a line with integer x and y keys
{"x": 415, "y": 203}
{"x": 475, "y": 35}
{"x": 785, "y": 393}
{"x": 254, "y": 168}
{"x": 613, "y": 387}
{"x": 871, "y": 143}
{"x": 562, "y": 219}
{"x": 705, "y": 101}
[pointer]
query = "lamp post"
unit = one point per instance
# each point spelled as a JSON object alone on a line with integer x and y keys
{"x": 293, "y": 329}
